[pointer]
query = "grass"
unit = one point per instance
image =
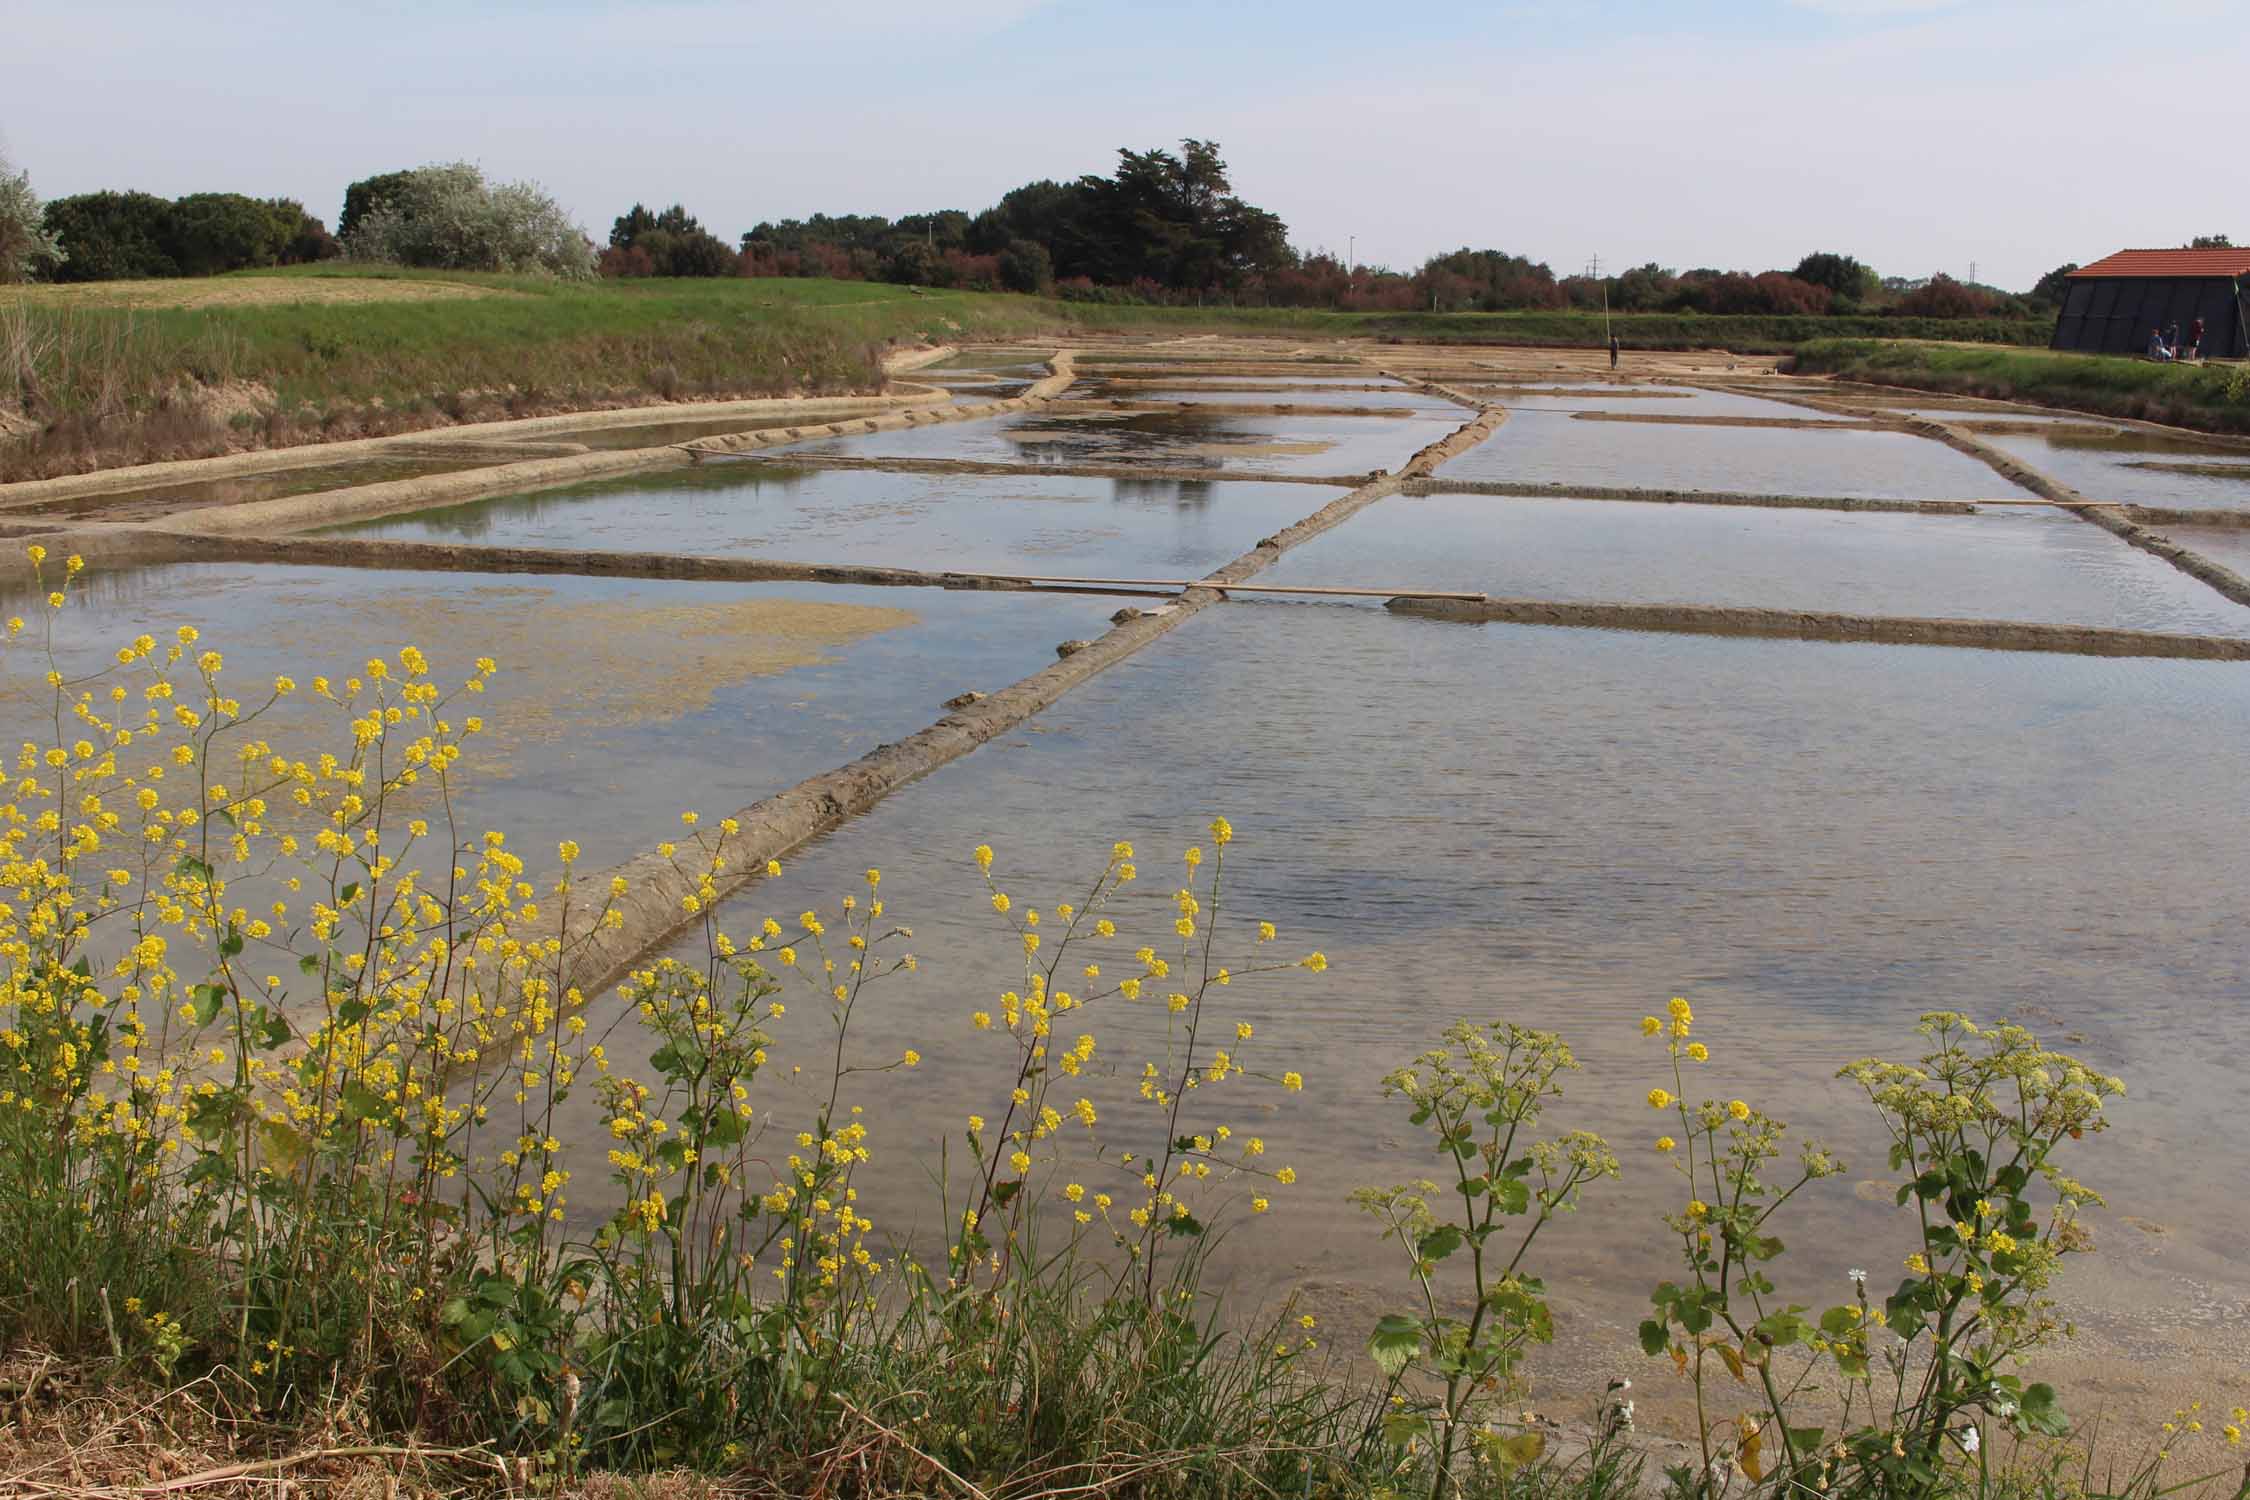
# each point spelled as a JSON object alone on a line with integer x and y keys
{"x": 2209, "y": 397}
{"x": 100, "y": 382}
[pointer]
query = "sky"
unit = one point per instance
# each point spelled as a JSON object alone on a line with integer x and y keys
{"x": 1919, "y": 135}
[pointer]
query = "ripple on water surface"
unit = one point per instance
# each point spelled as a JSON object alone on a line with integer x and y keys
{"x": 971, "y": 522}
{"x": 1816, "y": 843}
{"x": 618, "y": 701}
{"x": 2015, "y": 564}
{"x": 1756, "y": 460}
{"x": 2122, "y": 469}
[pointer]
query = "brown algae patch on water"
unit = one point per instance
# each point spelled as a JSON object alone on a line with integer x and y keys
{"x": 611, "y": 663}
{"x": 1254, "y": 450}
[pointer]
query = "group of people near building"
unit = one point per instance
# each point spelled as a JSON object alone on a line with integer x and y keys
{"x": 2164, "y": 343}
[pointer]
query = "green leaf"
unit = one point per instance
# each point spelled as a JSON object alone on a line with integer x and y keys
{"x": 1805, "y": 1439}
{"x": 1402, "y": 1427}
{"x": 1439, "y": 1242}
{"x": 1655, "y": 1338}
{"x": 1395, "y": 1343}
{"x": 1003, "y": 1191}
{"x": 2041, "y": 1412}
{"x": 348, "y": 894}
{"x": 1512, "y": 1195}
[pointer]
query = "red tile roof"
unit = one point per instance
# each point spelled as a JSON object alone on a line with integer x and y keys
{"x": 2170, "y": 263}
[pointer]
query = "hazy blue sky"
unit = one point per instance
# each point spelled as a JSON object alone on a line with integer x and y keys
{"x": 1921, "y": 135}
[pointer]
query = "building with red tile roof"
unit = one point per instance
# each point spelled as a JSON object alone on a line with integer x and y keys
{"x": 2115, "y": 304}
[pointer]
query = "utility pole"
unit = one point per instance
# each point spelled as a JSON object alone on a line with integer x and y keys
{"x": 1351, "y": 258}
{"x": 1594, "y": 269}
{"x": 1972, "y": 273}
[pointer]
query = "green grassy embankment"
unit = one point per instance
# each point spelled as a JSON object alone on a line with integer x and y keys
{"x": 2208, "y": 397}
{"x": 100, "y": 376}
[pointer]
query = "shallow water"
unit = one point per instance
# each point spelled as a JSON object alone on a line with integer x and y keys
{"x": 968, "y": 522}
{"x": 661, "y": 434}
{"x": 1815, "y": 843}
{"x": 1272, "y": 445}
{"x": 2102, "y": 469}
{"x": 1400, "y": 399}
{"x": 2013, "y": 564}
{"x": 616, "y": 698}
{"x": 1657, "y": 401}
{"x": 1767, "y": 461}
{"x": 150, "y": 501}
{"x": 2226, "y": 545}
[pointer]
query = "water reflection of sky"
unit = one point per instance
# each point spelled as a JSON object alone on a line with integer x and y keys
{"x": 972, "y": 522}
{"x": 1564, "y": 827}
{"x": 1768, "y": 461}
{"x": 2031, "y": 563}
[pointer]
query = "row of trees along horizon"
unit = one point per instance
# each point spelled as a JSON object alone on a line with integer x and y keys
{"x": 1163, "y": 228}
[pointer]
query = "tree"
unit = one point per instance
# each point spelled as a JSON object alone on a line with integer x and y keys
{"x": 110, "y": 236}
{"x": 26, "y": 244}
{"x": 2211, "y": 242}
{"x": 450, "y": 218}
{"x": 671, "y": 243}
{"x": 206, "y": 233}
{"x": 1943, "y": 297}
{"x": 2053, "y": 287}
{"x": 1847, "y": 279}
{"x": 367, "y": 195}
{"x": 1025, "y": 266}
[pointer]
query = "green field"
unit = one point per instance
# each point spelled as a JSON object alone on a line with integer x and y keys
{"x": 115, "y": 373}
{"x": 2210, "y": 397}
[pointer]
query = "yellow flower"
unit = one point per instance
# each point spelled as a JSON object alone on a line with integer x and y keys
{"x": 1259, "y": 1205}
{"x": 1658, "y": 1098}
{"x": 1222, "y": 832}
{"x": 773, "y": 867}
{"x": 1665, "y": 1143}
{"x": 1697, "y": 1208}
{"x": 976, "y": 1124}
{"x": 1316, "y": 962}
{"x": 1698, "y": 1052}
{"x": 1285, "y": 1176}
{"x": 1075, "y": 1192}
{"x": 1293, "y": 1081}
{"x": 911, "y": 1058}
{"x": 1738, "y": 1109}
{"x": 1917, "y": 1264}
{"x": 981, "y": 1020}
{"x": 1650, "y": 1026}
{"x": 984, "y": 856}
{"x": 1000, "y": 902}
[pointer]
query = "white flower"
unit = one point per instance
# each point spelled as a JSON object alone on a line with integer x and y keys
{"x": 1969, "y": 1440}
{"x": 1859, "y": 1278}
{"x": 2004, "y": 1410}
